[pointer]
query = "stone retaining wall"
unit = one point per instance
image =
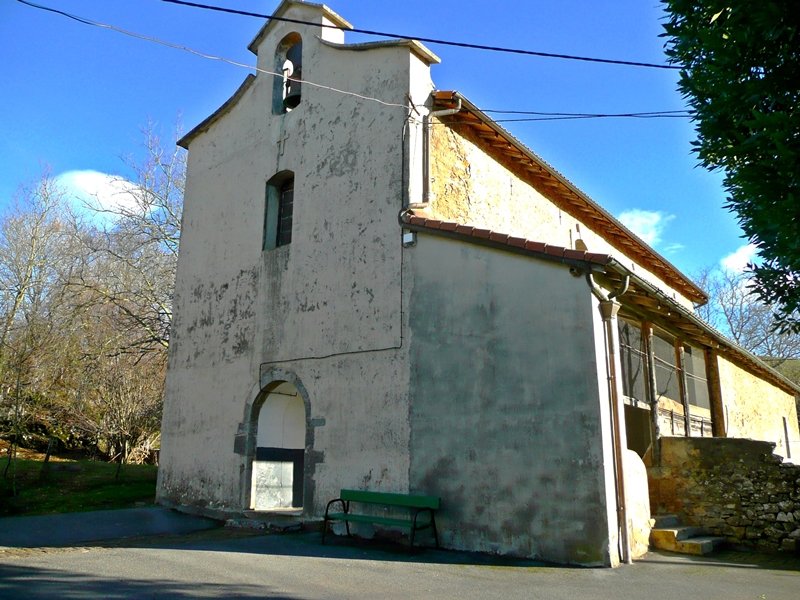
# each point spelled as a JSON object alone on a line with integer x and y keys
{"x": 733, "y": 487}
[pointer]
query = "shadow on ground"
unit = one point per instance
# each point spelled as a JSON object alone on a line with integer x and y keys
{"x": 308, "y": 544}
{"x": 21, "y": 581}
{"x": 783, "y": 561}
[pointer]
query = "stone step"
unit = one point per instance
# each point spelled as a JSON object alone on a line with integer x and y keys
{"x": 666, "y": 521}
{"x": 670, "y": 535}
{"x": 667, "y": 537}
{"x": 699, "y": 546}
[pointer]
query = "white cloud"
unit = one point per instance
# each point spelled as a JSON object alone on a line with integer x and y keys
{"x": 647, "y": 224}
{"x": 97, "y": 191}
{"x": 673, "y": 248}
{"x": 737, "y": 261}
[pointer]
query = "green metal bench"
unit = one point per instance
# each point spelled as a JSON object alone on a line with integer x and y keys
{"x": 420, "y": 511}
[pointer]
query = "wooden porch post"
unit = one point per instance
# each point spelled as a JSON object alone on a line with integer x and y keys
{"x": 719, "y": 427}
{"x": 679, "y": 364}
{"x": 652, "y": 391}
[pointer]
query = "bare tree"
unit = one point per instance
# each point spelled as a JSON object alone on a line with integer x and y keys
{"x": 735, "y": 311}
{"x": 35, "y": 265}
{"x": 125, "y": 287}
{"x": 86, "y": 309}
{"x": 131, "y": 262}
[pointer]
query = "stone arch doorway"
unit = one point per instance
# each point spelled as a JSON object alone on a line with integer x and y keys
{"x": 278, "y": 465}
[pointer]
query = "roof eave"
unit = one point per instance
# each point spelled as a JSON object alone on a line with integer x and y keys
{"x": 682, "y": 282}
{"x": 602, "y": 263}
{"x": 729, "y": 347}
{"x": 206, "y": 123}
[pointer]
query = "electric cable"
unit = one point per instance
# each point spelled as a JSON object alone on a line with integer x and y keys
{"x": 574, "y": 117}
{"x": 155, "y": 40}
{"x": 539, "y": 115}
{"x": 441, "y": 42}
{"x": 564, "y": 114}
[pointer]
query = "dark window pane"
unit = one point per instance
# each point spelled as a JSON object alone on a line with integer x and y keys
{"x": 667, "y": 376}
{"x": 696, "y": 385}
{"x": 285, "y": 211}
{"x": 633, "y": 360}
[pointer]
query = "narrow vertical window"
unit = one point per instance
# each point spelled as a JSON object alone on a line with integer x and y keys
{"x": 278, "y": 211}
{"x": 285, "y": 209}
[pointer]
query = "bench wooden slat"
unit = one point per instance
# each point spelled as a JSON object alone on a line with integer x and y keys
{"x": 389, "y": 499}
{"x": 388, "y": 521}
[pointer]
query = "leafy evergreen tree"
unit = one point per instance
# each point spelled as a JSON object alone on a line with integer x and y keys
{"x": 740, "y": 71}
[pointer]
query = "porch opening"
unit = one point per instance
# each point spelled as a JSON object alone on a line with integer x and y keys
{"x": 279, "y": 461}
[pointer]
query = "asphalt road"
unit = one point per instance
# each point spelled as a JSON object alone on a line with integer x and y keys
{"x": 235, "y": 564}
{"x": 69, "y": 529}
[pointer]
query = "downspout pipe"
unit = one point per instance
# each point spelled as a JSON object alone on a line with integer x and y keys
{"x": 426, "y": 147}
{"x": 609, "y": 308}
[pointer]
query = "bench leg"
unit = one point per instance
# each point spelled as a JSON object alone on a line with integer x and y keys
{"x": 324, "y": 529}
{"x": 435, "y": 533}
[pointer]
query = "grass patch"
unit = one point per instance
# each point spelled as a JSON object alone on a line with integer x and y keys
{"x": 73, "y": 486}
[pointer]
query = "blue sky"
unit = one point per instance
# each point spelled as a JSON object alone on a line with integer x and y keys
{"x": 75, "y": 97}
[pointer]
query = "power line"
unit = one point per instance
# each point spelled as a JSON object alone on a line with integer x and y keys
{"x": 539, "y": 116}
{"x": 564, "y": 116}
{"x": 201, "y": 54}
{"x": 608, "y": 61}
{"x": 572, "y": 117}
{"x": 678, "y": 113}
{"x": 567, "y": 117}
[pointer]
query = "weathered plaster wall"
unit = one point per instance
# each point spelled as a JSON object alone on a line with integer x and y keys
{"x": 325, "y": 309}
{"x": 358, "y": 423}
{"x": 505, "y": 420}
{"x": 756, "y": 409}
{"x": 735, "y": 488}
{"x": 637, "y": 500}
{"x": 470, "y": 187}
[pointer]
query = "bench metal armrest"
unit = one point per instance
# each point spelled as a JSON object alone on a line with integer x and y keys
{"x": 418, "y": 511}
{"x": 345, "y": 506}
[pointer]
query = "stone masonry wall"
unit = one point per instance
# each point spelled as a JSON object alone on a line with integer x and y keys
{"x": 735, "y": 488}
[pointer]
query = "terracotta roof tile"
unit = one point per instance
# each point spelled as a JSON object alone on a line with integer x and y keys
{"x": 535, "y": 246}
{"x": 574, "y": 254}
{"x": 597, "y": 257}
{"x": 464, "y": 229}
{"x": 419, "y": 220}
{"x": 516, "y": 242}
{"x": 554, "y": 250}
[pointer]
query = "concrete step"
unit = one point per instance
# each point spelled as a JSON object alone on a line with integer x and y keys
{"x": 277, "y": 515}
{"x": 279, "y": 521}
